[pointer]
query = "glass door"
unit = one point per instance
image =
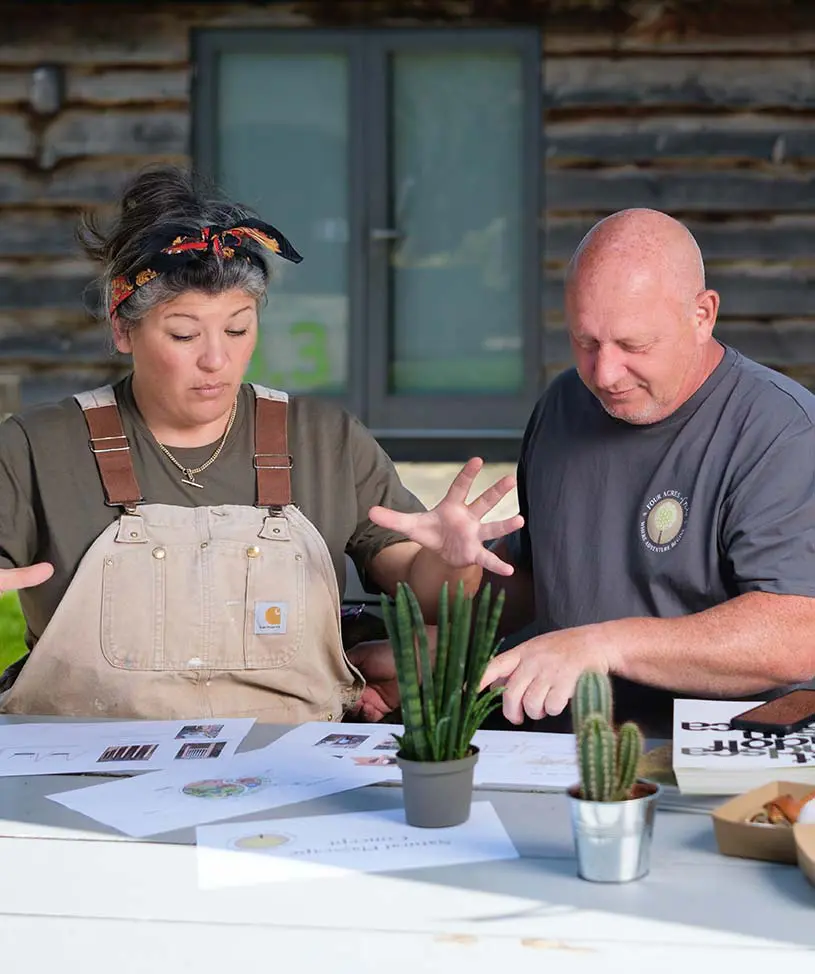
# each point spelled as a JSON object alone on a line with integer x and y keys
{"x": 404, "y": 166}
{"x": 283, "y": 148}
{"x": 454, "y": 201}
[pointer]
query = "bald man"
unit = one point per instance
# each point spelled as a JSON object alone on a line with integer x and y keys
{"x": 668, "y": 489}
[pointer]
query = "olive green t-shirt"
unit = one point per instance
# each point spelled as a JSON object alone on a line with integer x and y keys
{"x": 52, "y": 505}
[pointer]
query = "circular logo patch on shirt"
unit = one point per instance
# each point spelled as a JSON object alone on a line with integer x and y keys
{"x": 662, "y": 521}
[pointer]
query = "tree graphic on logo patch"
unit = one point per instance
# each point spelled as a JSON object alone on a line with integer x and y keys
{"x": 665, "y": 517}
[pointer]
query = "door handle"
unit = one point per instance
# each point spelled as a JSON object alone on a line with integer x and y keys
{"x": 385, "y": 233}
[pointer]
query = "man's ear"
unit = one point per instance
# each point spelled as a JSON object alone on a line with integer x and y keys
{"x": 707, "y": 310}
{"x": 121, "y": 337}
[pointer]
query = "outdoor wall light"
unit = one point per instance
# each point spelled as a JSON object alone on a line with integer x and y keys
{"x": 47, "y": 90}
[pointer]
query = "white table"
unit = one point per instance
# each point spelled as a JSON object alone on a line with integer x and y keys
{"x": 76, "y": 897}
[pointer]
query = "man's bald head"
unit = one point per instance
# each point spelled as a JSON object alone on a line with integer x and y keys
{"x": 640, "y": 319}
{"x": 639, "y": 242}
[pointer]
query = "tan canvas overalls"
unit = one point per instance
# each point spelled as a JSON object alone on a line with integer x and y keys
{"x": 178, "y": 612}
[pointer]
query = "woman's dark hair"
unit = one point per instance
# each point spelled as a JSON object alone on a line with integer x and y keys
{"x": 172, "y": 197}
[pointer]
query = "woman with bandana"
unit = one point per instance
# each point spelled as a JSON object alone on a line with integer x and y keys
{"x": 178, "y": 539}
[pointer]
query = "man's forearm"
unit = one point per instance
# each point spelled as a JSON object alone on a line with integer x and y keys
{"x": 750, "y": 643}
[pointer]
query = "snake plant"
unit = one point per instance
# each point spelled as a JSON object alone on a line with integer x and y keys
{"x": 441, "y": 706}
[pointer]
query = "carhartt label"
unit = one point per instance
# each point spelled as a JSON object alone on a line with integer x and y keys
{"x": 270, "y": 617}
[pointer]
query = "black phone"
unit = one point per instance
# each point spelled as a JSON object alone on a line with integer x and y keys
{"x": 782, "y": 715}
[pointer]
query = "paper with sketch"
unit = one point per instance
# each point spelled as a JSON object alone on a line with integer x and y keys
{"x": 112, "y": 747}
{"x": 508, "y": 759}
{"x": 526, "y": 760}
{"x": 278, "y": 850}
{"x": 168, "y": 800}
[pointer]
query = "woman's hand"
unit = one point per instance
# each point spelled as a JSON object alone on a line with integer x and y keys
{"x": 12, "y": 579}
{"x": 374, "y": 660}
{"x": 453, "y": 529}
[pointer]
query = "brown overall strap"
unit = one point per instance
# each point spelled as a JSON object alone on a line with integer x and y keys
{"x": 110, "y": 448}
{"x": 272, "y": 460}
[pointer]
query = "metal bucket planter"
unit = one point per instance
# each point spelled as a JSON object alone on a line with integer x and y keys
{"x": 613, "y": 839}
{"x": 437, "y": 794}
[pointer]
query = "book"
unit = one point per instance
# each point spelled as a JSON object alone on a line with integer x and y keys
{"x": 711, "y": 759}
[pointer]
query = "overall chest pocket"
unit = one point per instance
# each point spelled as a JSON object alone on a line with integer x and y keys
{"x": 213, "y": 605}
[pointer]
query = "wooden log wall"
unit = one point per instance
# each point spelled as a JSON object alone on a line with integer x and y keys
{"x": 706, "y": 112}
{"x": 703, "y": 109}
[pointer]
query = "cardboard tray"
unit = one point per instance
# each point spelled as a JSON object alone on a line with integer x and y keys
{"x": 805, "y": 847}
{"x": 735, "y": 836}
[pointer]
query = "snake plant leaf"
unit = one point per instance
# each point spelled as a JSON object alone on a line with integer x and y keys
{"x": 442, "y": 643}
{"x": 484, "y": 706}
{"x": 426, "y": 690}
{"x": 456, "y": 666}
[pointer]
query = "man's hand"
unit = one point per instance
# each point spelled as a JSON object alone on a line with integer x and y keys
{"x": 12, "y": 579}
{"x": 540, "y": 675}
{"x": 453, "y": 528}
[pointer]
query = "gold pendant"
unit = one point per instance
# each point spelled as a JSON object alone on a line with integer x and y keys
{"x": 190, "y": 481}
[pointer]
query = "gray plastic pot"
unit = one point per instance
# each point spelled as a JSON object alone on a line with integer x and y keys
{"x": 437, "y": 794}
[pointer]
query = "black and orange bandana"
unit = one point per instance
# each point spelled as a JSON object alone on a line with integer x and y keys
{"x": 224, "y": 242}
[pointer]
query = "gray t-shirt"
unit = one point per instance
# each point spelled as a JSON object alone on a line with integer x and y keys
{"x": 674, "y": 517}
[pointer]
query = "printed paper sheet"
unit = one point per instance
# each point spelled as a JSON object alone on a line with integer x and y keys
{"x": 509, "y": 759}
{"x": 278, "y": 850}
{"x": 169, "y": 800}
{"x": 113, "y": 747}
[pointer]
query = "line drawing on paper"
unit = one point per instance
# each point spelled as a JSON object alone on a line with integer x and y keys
{"x": 42, "y": 753}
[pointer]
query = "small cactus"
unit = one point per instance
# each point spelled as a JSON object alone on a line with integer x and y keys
{"x": 608, "y": 761}
{"x": 596, "y": 758}
{"x": 592, "y": 695}
{"x": 629, "y": 752}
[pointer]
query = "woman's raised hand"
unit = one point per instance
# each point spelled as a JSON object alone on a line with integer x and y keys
{"x": 453, "y": 528}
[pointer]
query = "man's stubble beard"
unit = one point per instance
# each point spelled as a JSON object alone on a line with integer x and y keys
{"x": 653, "y": 412}
{"x": 644, "y": 417}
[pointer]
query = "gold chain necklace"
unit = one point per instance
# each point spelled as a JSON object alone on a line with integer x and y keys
{"x": 190, "y": 472}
